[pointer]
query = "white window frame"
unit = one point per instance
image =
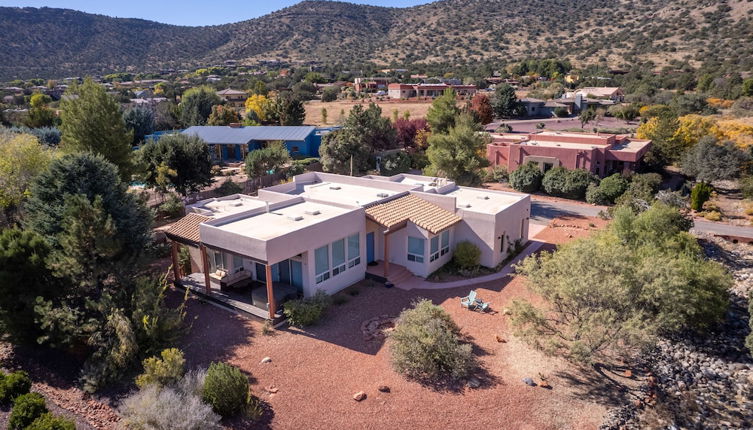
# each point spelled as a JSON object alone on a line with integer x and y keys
{"x": 353, "y": 260}
{"x": 434, "y": 255}
{"x": 415, "y": 258}
{"x": 336, "y": 270}
{"x": 323, "y": 276}
{"x": 444, "y": 248}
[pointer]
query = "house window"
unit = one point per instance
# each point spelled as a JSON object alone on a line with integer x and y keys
{"x": 295, "y": 149}
{"x": 321, "y": 263}
{"x": 354, "y": 250}
{"x": 217, "y": 262}
{"x": 237, "y": 263}
{"x": 445, "y": 242}
{"x": 434, "y": 253}
{"x": 502, "y": 243}
{"x": 338, "y": 257}
{"x": 416, "y": 249}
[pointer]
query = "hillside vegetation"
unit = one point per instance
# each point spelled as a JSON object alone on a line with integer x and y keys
{"x": 42, "y": 42}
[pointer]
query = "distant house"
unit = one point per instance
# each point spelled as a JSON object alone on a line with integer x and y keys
{"x": 232, "y": 143}
{"x": 599, "y": 153}
{"x": 235, "y": 98}
{"x": 612, "y": 93}
{"x": 406, "y": 91}
{"x": 149, "y": 102}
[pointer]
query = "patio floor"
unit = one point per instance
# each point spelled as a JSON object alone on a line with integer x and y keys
{"x": 235, "y": 300}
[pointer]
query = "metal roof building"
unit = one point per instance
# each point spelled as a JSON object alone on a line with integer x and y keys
{"x": 232, "y": 143}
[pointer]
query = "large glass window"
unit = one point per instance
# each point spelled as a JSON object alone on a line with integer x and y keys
{"x": 354, "y": 250}
{"x": 445, "y": 242}
{"x": 416, "y": 249}
{"x": 237, "y": 263}
{"x": 321, "y": 263}
{"x": 434, "y": 252}
{"x": 338, "y": 257}
{"x": 216, "y": 260}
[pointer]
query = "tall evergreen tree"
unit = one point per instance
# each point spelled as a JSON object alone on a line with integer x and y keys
{"x": 443, "y": 111}
{"x": 186, "y": 156}
{"x": 196, "y": 105}
{"x": 141, "y": 122}
{"x": 92, "y": 121}
{"x": 459, "y": 154}
{"x": 506, "y": 104}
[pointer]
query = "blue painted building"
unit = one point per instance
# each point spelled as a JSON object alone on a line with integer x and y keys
{"x": 233, "y": 143}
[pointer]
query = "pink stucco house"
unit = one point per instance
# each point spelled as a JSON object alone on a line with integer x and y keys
{"x": 599, "y": 153}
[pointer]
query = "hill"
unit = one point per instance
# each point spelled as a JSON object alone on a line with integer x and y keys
{"x": 53, "y": 42}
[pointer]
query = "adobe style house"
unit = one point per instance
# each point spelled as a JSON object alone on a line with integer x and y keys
{"x": 609, "y": 93}
{"x": 326, "y": 232}
{"x": 599, "y": 153}
{"x": 232, "y": 143}
{"x": 407, "y": 91}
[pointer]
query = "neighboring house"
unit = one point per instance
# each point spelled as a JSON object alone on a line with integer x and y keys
{"x": 232, "y": 143}
{"x": 326, "y": 232}
{"x": 611, "y": 93}
{"x": 543, "y": 108}
{"x": 370, "y": 84}
{"x": 233, "y": 97}
{"x": 150, "y": 102}
{"x": 406, "y": 91}
{"x": 601, "y": 154}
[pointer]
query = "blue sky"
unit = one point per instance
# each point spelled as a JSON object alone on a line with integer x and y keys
{"x": 187, "y": 12}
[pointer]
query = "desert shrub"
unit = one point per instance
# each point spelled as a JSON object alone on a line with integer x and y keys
{"x": 228, "y": 188}
{"x": 164, "y": 370}
{"x": 393, "y": 164}
{"x": 713, "y": 215}
{"x": 51, "y": 422}
{"x": 216, "y": 170}
{"x": 497, "y": 174}
{"x": 746, "y": 187}
{"x": 307, "y": 311}
{"x": 192, "y": 382}
{"x": 672, "y": 198}
{"x": 26, "y": 408}
{"x": 172, "y": 207}
{"x": 467, "y": 255}
{"x": 527, "y": 178}
{"x": 155, "y": 408}
{"x": 700, "y": 194}
{"x": 561, "y": 112}
{"x": 225, "y": 389}
{"x": 607, "y": 191}
{"x": 571, "y": 184}
{"x": 426, "y": 344}
{"x": 13, "y": 385}
{"x": 503, "y": 128}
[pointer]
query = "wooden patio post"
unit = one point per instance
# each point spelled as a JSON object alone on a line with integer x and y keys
{"x": 174, "y": 254}
{"x": 270, "y": 292}
{"x": 205, "y": 263}
{"x": 386, "y": 254}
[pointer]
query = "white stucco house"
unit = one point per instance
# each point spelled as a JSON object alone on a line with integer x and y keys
{"x": 326, "y": 232}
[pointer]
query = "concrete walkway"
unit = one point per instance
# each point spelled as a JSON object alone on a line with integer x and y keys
{"x": 417, "y": 283}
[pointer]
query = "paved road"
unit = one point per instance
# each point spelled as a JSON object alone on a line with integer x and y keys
{"x": 543, "y": 211}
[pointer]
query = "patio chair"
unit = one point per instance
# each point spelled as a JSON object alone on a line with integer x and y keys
{"x": 470, "y": 301}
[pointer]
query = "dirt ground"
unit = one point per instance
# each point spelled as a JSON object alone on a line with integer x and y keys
{"x": 416, "y": 108}
{"x": 315, "y": 372}
{"x": 730, "y": 201}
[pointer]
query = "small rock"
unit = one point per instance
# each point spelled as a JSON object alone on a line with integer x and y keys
{"x": 271, "y": 389}
{"x": 500, "y": 339}
{"x": 266, "y": 360}
{"x": 359, "y": 396}
{"x": 544, "y": 384}
{"x": 529, "y": 382}
{"x": 384, "y": 389}
{"x": 474, "y": 383}
{"x": 628, "y": 373}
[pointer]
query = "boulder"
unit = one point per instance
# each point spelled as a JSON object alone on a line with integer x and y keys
{"x": 266, "y": 360}
{"x": 473, "y": 382}
{"x": 529, "y": 382}
{"x": 384, "y": 389}
{"x": 359, "y": 396}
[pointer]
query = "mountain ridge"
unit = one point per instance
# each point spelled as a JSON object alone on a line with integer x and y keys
{"x": 51, "y": 42}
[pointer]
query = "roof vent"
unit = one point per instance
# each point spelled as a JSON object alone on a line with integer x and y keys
{"x": 236, "y": 203}
{"x": 295, "y": 217}
{"x": 483, "y": 197}
{"x": 312, "y": 212}
{"x": 382, "y": 195}
{"x": 335, "y": 187}
{"x": 464, "y": 205}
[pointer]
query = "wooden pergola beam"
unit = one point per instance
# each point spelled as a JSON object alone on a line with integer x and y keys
{"x": 271, "y": 305}
{"x": 205, "y": 264}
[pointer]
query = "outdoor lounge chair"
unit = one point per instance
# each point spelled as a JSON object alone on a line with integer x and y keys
{"x": 473, "y": 303}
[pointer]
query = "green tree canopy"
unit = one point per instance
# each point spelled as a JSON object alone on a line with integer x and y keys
{"x": 184, "y": 160}
{"x": 91, "y": 176}
{"x": 599, "y": 306}
{"x": 506, "y": 104}
{"x": 710, "y": 160}
{"x": 443, "y": 112}
{"x": 261, "y": 161}
{"x": 196, "y": 105}
{"x": 39, "y": 114}
{"x": 92, "y": 121}
{"x": 288, "y": 110}
{"x": 223, "y": 115}
{"x": 140, "y": 121}
{"x": 22, "y": 158}
{"x": 460, "y": 154}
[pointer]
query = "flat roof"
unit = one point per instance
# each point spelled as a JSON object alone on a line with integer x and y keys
{"x": 346, "y": 194}
{"x": 630, "y": 145}
{"x": 269, "y": 225}
{"x": 483, "y": 201}
{"x": 222, "y": 206}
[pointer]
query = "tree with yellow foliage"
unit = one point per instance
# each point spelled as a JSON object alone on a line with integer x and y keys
{"x": 693, "y": 127}
{"x": 257, "y": 103}
{"x": 22, "y": 158}
{"x": 738, "y": 132}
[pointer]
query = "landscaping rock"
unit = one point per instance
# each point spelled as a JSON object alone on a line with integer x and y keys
{"x": 384, "y": 389}
{"x": 544, "y": 384}
{"x": 529, "y": 382}
{"x": 500, "y": 339}
{"x": 473, "y": 382}
{"x": 359, "y": 396}
{"x": 266, "y": 360}
{"x": 271, "y": 389}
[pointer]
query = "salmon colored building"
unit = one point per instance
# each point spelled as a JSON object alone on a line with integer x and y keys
{"x": 599, "y": 153}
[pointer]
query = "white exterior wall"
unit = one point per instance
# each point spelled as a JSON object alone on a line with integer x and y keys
{"x": 350, "y": 276}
